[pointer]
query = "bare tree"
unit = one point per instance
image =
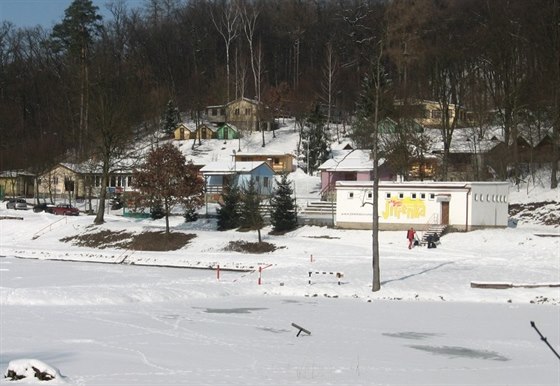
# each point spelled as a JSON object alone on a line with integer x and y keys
{"x": 249, "y": 15}
{"x": 225, "y": 17}
{"x": 330, "y": 72}
{"x": 166, "y": 177}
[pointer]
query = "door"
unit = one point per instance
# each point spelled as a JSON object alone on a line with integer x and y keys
{"x": 445, "y": 213}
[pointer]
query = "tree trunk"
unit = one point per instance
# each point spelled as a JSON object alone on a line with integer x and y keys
{"x": 166, "y": 203}
{"x": 376, "y": 283}
{"x": 100, "y": 216}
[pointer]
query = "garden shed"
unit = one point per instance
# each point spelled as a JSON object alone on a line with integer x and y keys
{"x": 227, "y": 131}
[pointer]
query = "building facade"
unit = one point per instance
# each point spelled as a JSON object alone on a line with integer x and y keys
{"x": 463, "y": 206}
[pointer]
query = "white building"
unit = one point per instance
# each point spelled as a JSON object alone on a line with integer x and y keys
{"x": 462, "y": 205}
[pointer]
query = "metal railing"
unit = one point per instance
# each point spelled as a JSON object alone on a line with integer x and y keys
{"x": 48, "y": 228}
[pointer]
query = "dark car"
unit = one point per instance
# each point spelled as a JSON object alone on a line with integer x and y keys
{"x": 64, "y": 210}
{"x": 48, "y": 208}
{"x": 16, "y": 203}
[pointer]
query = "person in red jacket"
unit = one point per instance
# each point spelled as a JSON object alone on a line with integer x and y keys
{"x": 410, "y": 236}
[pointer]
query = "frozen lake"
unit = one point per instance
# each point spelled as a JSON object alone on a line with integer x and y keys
{"x": 123, "y": 325}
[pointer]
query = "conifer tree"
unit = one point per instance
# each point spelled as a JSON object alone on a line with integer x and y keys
{"x": 171, "y": 118}
{"x": 284, "y": 213}
{"x": 251, "y": 217}
{"x": 228, "y": 212}
{"x": 76, "y": 35}
{"x": 316, "y": 140}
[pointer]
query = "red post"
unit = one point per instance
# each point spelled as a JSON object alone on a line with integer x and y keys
{"x": 260, "y": 274}
{"x": 218, "y": 272}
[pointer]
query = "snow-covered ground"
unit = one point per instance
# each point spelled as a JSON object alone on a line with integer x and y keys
{"x": 132, "y": 321}
{"x": 118, "y": 324}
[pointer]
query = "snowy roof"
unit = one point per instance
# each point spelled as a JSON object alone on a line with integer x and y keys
{"x": 15, "y": 173}
{"x": 191, "y": 125}
{"x": 229, "y": 167}
{"x": 423, "y": 185}
{"x": 265, "y": 153}
{"x": 92, "y": 168}
{"x": 348, "y": 160}
{"x": 253, "y": 101}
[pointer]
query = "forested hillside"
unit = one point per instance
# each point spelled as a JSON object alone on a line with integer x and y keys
{"x": 88, "y": 86}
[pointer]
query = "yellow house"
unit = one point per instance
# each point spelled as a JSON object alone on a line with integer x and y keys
{"x": 62, "y": 179}
{"x": 279, "y": 162}
{"x": 429, "y": 113}
{"x": 244, "y": 113}
{"x": 79, "y": 179}
{"x": 16, "y": 183}
{"x": 188, "y": 131}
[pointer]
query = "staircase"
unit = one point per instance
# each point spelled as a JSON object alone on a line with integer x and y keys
{"x": 320, "y": 213}
{"x": 434, "y": 229}
{"x": 321, "y": 208}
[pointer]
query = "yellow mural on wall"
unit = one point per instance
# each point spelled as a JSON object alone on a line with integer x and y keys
{"x": 405, "y": 207}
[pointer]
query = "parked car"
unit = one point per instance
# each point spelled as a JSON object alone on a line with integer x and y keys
{"x": 64, "y": 210}
{"x": 16, "y": 203}
{"x": 43, "y": 207}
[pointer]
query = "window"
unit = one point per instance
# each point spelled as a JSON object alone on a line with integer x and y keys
{"x": 432, "y": 196}
{"x": 413, "y": 196}
{"x": 482, "y": 197}
{"x": 129, "y": 181}
{"x": 423, "y": 196}
{"x": 248, "y": 111}
{"x": 436, "y": 114}
{"x": 369, "y": 194}
{"x": 55, "y": 180}
{"x": 214, "y": 112}
{"x": 276, "y": 161}
{"x": 236, "y": 112}
{"x": 387, "y": 195}
{"x": 488, "y": 197}
{"x": 265, "y": 182}
{"x": 401, "y": 195}
{"x": 476, "y": 196}
{"x": 350, "y": 195}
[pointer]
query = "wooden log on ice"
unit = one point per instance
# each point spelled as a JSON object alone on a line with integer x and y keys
{"x": 298, "y": 327}
{"x": 503, "y": 285}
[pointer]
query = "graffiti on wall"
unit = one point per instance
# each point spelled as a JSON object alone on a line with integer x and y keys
{"x": 404, "y": 207}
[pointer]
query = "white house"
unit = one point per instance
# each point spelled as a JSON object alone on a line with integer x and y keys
{"x": 462, "y": 205}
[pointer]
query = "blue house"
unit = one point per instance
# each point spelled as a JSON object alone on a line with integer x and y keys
{"x": 237, "y": 173}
